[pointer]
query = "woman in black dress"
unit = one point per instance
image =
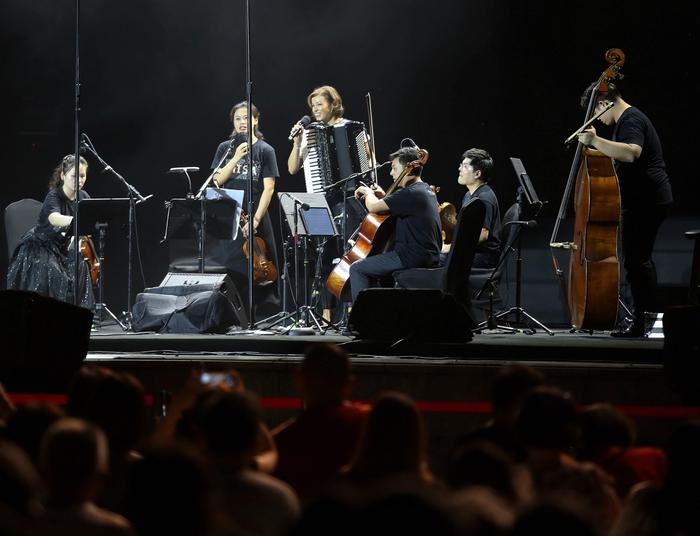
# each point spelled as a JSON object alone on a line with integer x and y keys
{"x": 43, "y": 261}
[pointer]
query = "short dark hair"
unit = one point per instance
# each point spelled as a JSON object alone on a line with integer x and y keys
{"x": 611, "y": 95}
{"x": 406, "y": 155}
{"x": 326, "y": 365}
{"x": 229, "y": 421}
{"x": 480, "y": 161}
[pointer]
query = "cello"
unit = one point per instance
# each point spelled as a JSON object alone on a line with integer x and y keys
{"x": 371, "y": 237}
{"x": 594, "y": 271}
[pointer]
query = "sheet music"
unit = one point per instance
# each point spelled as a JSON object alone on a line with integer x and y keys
{"x": 234, "y": 195}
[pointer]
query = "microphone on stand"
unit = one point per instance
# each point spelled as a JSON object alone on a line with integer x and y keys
{"x": 304, "y": 122}
{"x": 183, "y": 169}
{"x": 302, "y": 205}
{"x": 239, "y": 138}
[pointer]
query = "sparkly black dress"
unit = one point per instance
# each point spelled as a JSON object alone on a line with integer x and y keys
{"x": 44, "y": 262}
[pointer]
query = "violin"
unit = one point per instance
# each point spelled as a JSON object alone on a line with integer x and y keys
{"x": 264, "y": 271}
{"x": 89, "y": 252}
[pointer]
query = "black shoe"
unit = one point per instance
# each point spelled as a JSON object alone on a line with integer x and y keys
{"x": 635, "y": 330}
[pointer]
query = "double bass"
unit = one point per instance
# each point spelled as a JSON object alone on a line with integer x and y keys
{"x": 594, "y": 272}
{"x": 371, "y": 238}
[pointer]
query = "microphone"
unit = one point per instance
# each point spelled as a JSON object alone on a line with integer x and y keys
{"x": 239, "y": 138}
{"x": 302, "y": 205}
{"x": 305, "y": 121}
{"x": 85, "y": 148}
{"x": 183, "y": 169}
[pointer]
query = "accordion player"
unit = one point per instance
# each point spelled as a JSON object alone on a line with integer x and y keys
{"x": 334, "y": 153}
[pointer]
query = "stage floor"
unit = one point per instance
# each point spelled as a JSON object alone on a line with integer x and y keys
{"x": 563, "y": 346}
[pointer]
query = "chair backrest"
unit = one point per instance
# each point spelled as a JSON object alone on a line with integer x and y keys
{"x": 464, "y": 242}
{"x": 509, "y": 234}
{"x": 20, "y": 216}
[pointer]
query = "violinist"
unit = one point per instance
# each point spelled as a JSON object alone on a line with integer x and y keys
{"x": 44, "y": 260}
{"x": 645, "y": 193}
{"x": 474, "y": 173}
{"x": 230, "y": 166}
{"x": 418, "y": 234}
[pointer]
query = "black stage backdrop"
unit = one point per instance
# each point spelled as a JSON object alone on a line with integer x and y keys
{"x": 159, "y": 77}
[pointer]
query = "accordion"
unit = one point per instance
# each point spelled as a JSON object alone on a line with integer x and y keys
{"x": 334, "y": 153}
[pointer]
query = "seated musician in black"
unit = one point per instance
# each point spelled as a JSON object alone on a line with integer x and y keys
{"x": 474, "y": 173}
{"x": 415, "y": 207}
{"x": 44, "y": 259}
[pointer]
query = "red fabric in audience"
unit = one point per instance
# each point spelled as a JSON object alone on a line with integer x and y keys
{"x": 316, "y": 445}
{"x": 633, "y": 465}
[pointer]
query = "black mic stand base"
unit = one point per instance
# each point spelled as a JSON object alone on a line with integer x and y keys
{"x": 100, "y": 309}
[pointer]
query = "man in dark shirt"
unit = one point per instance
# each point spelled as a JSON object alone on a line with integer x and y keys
{"x": 645, "y": 193}
{"x": 474, "y": 173}
{"x": 417, "y": 238}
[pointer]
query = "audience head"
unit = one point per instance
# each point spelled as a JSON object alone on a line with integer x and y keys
{"x": 547, "y": 419}
{"x": 228, "y": 422}
{"x": 604, "y": 426}
{"x": 479, "y": 463}
{"x": 20, "y": 489}
{"x": 509, "y": 388}
{"x": 74, "y": 456}
{"x": 114, "y": 401}
{"x": 28, "y": 425}
{"x": 324, "y": 376}
{"x": 169, "y": 492}
{"x": 394, "y": 440}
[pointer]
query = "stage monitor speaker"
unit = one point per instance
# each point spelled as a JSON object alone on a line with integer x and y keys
{"x": 190, "y": 303}
{"x": 427, "y": 315}
{"x": 44, "y": 341}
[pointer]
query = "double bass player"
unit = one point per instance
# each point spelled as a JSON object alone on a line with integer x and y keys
{"x": 645, "y": 193}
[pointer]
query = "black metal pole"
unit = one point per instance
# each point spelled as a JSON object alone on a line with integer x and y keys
{"x": 76, "y": 161}
{"x": 251, "y": 214}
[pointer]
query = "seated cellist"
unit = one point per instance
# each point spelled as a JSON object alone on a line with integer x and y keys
{"x": 417, "y": 237}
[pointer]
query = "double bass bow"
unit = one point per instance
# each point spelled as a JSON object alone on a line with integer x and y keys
{"x": 371, "y": 237}
{"x": 594, "y": 272}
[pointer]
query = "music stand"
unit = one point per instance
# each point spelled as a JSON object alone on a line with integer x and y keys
{"x": 196, "y": 218}
{"x": 98, "y": 213}
{"x": 308, "y": 215}
{"x": 530, "y": 208}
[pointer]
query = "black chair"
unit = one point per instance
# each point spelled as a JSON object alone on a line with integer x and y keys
{"x": 20, "y": 216}
{"x": 451, "y": 278}
{"x": 485, "y": 281}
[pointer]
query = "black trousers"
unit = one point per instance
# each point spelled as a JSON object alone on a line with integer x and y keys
{"x": 639, "y": 229}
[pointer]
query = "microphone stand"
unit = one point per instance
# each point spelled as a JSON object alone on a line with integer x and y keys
{"x": 251, "y": 214}
{"x": 134, "y": 195}
{"x": 76, "y": 162}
